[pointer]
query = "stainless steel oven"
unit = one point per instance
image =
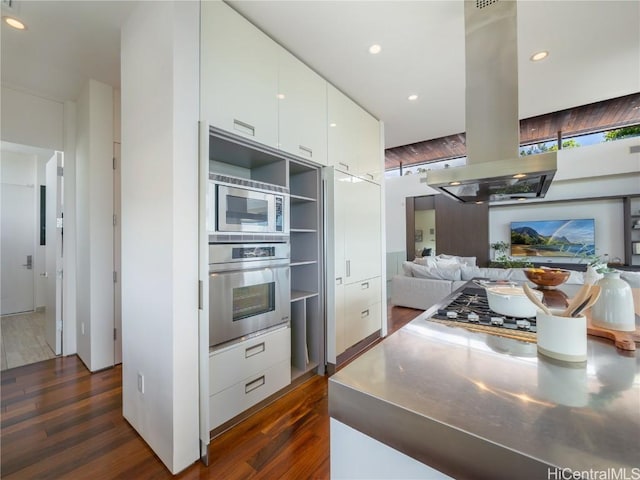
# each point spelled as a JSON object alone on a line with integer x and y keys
{"x": 243, "y": 210}
{"x": 249, "y": 289}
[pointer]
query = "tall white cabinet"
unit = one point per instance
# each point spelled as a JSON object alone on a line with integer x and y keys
{"x": 302, "y": 110}
{"x": 354, "y": 266}
{"x": 270, "y": 117}
{"x": 239, "y": 75}
{"x": 354, "y": 138}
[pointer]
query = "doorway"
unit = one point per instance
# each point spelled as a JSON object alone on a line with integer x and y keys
{"x": 421, "y": 226}
{"x": 25, "y": 278}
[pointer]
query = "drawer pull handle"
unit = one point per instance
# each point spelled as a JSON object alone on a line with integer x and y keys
{"x": 255, "y": 350}
{"x": 346, "y": 167}
{"x": 348, "y": 268}
{"x": 369, "y": 175}
{"x": 306, "y": 150}
{"x": 244, "y": 128}
{"x": 252, "y": 385}
{"x": 339, "y": 281}
{"x": 364, "y": 313}
{"x": 364, "y": 285}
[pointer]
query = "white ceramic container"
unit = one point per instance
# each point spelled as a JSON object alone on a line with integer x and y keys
{"x": 512, "y": 301}
{"x": 614, "y": 309}
{"x": 562, "y": 338}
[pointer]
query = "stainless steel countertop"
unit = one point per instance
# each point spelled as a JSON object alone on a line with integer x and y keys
{"x": 474, "y": 405}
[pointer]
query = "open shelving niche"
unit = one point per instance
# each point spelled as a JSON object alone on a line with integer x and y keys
{"x": 239, "y": 157}
{"x": 307, "y": 326}
{"x": 632, "y": 230}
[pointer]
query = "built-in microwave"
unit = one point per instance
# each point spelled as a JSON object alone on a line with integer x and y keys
{"x": 241, "y": 210}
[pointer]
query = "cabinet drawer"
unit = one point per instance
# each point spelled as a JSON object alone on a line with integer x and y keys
{"x": 238, "y": 362}
{"x": 234, "y": 400}
{"x": 359, "y": 325}
{"x": 363, "y": 293}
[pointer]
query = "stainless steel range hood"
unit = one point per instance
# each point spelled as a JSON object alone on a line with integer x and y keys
{"x": 494, "y": 171}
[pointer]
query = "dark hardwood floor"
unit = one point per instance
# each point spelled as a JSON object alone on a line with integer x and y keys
{"x": 59, "y": 421}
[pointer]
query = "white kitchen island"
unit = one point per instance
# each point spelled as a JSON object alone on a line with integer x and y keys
{"x": 473, "y": 405}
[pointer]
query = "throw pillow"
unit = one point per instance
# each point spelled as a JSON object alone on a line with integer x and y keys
{"x": 426, "y": 261}
{"x": 406, "y": 268}
{"x": 451, "y": 273}
{"x": 468, "y": 261}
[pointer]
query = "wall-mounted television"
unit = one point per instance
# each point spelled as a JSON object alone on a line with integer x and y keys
{"x": 553, "y": 238}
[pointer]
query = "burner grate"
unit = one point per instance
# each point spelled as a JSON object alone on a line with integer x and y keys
{"x": 471, "y": 306}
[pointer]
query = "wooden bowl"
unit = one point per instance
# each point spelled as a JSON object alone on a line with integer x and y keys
{"x": 547, "y": 277}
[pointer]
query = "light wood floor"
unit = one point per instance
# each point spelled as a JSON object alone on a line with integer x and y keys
{"x": 59, "y": 421}
{"x": 23, "y": 340}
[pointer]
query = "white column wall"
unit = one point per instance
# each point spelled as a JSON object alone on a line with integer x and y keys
{"x": 83, "y": 286}
{"x": 69, "y": 330}
{"x": 160, "y": 94}
{"x": 94, "y": 223}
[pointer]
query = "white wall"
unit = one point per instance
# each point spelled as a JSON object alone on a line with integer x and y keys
{"x": 160, "y": 91}
{"x": 31, "y": 120}
{"x": 94, "y": 235}
{"x": 601, "y": 170}
{"x": 608, "y": 217}
{"x": 397, "y": 189}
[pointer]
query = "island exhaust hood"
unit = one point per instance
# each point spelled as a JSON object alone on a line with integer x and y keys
{"x": 494, "y": 170}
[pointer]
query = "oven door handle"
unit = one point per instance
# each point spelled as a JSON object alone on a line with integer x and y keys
{"x": 247, "y": 267}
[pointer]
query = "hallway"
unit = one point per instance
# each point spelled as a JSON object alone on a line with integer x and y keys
{"x": 23, "y": 340}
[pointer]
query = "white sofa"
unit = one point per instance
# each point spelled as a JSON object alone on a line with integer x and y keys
{"x": 427, "y": 280}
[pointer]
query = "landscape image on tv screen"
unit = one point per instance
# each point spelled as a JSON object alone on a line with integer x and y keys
{"x": 553, "y": 238}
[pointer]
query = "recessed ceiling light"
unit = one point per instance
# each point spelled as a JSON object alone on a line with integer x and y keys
{"x": 333, "y": 124}
{"x": 479, "y": 202}
{"x": 520, "y": 175}
{"x": 280, "y": 96}
{"x": 521, "y": 199}
{"x": 412, "y": 98}
{"x": 15, "y": 23}
{"x": 375, "y": 49}
{"x": 536, "y": 57}
{"x": 454, "y": 184}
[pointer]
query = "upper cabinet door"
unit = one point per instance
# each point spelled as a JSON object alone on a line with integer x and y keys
{"x": 239, "y": 75}
{"x": 302, "y": 105}
{"x": 342, "y": 119}
{"x": 354, "y": 137}
{"x": 362, "y": 232}
{"x": 370, "y": 165}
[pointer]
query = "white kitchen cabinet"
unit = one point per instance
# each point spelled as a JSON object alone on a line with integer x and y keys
{"x": 247, "y": 372}
{"x": 228, "y": 403}
{"x": 357, "y": 228}
{"x": 362, "y": 310}
{"x": 362, "y": 229}
{"x": 353, "y": 138}
{"x": 371, "y": 163}
{"x": 302, "y": 102}
{"x": 354, "y": 291}
{"x": 239, "y": 75}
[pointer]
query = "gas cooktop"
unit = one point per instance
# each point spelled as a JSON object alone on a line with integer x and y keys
{"x": 470, "y": 306}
